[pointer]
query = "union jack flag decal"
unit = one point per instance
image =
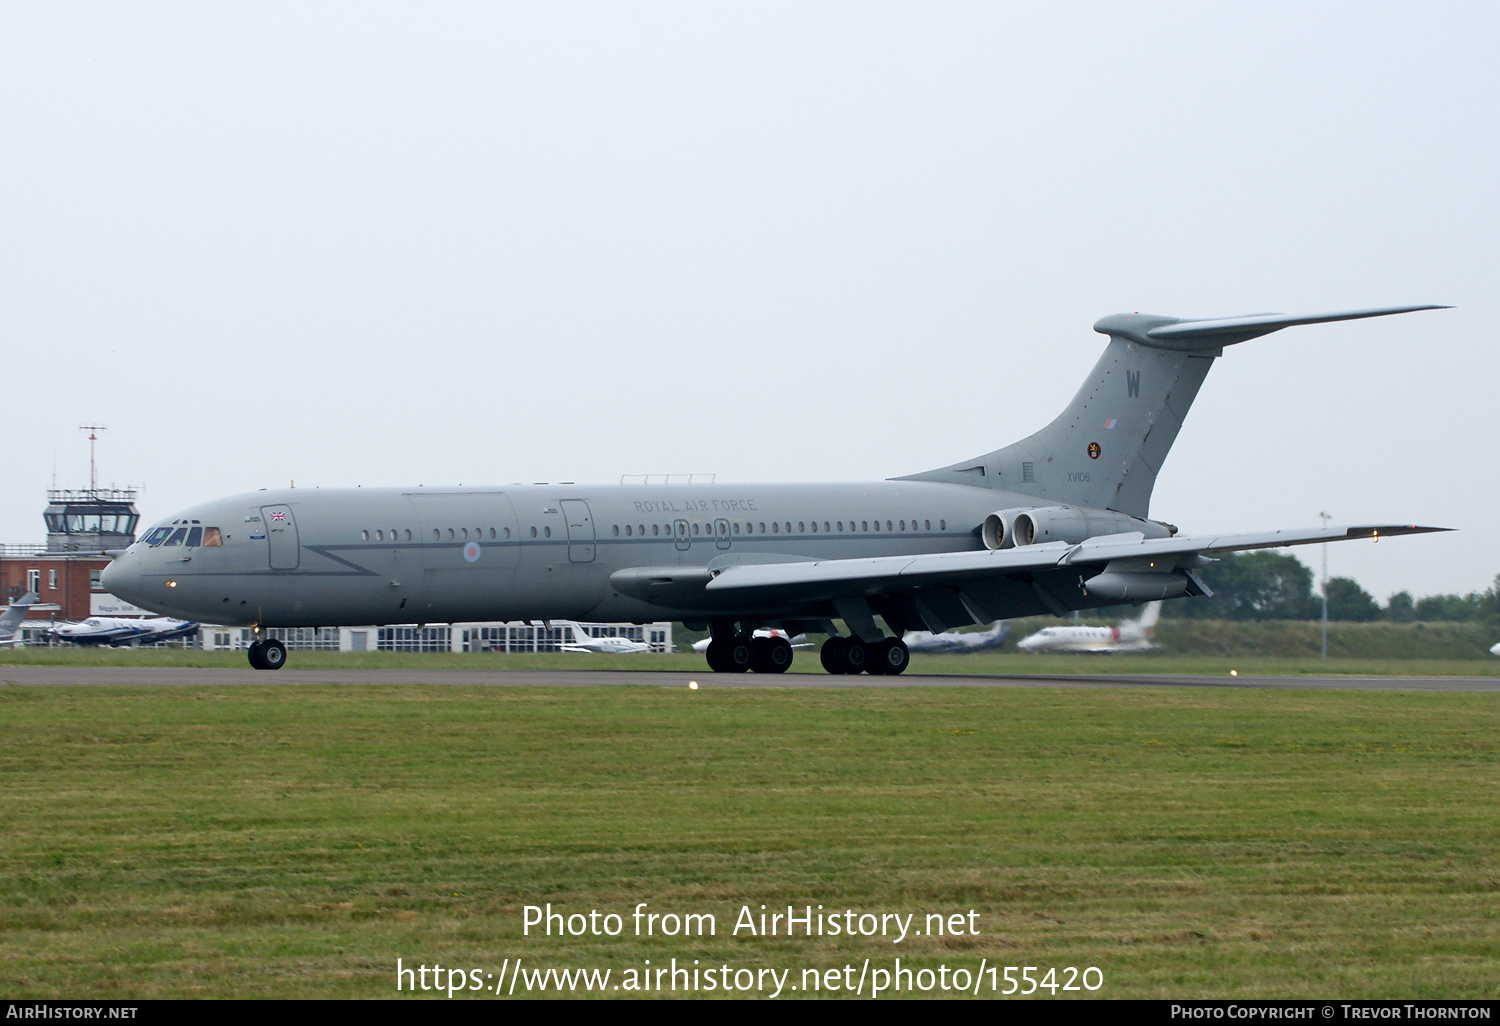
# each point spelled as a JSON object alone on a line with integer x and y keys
{"x": 278, "y": 516}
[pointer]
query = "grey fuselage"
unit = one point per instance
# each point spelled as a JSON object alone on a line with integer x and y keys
{"x": 436, "y": 555}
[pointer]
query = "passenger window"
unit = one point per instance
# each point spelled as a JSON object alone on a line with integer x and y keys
{"x": 762, "y": 527}
{"x": 640, "y": 529}
{"x": 775, "y": 527}
{"x": 616, "y": 529}
{"x": 507, "y": 532}
{"x": 840, "y": 526}
{"x": 436, "y": 534}
{"x": 825, "y": 527}
{"x": 380, "y": 536}
{"x": 492, "y": 534}
{"x": 195, "y": 536}
{"x": 887, "y": 525}
{"x": 408, "y": 534}
{"x": 177, "y": 537}
{"x": 695, "y": 527}
{"x": 465, "y": 533}
{"x": 942, "y": 525}
{"x": 655, "y": 530}
{"x": 364, "y": 536}
{"x": 927, "y": 525}
{"x": 533, "y": 532}
{"x": 901, "y": 524}
{"x": 865, "y": 525}
{"x": 547, "y": 531}
{"x": 788, "y": 527}
{"x": 450, "y": 534}
{"x": 212, "y": 538}
{"x": 736, "y": 527}
{"x": 815, "y": 527}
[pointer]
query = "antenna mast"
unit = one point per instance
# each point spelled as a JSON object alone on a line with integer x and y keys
{"x": 92, "y": 429}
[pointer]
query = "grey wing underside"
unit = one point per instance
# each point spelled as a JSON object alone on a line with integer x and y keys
{"x": 948, "y": 589}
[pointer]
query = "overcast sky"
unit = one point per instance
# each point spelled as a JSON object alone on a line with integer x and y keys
{"x": 387, "y": 244}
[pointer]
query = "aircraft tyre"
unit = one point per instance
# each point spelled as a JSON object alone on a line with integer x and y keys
{"x": 856, "y": 656}
{"x": 272, "y": 655}
{"x": 831, "y": 655}
{"x": 889, "y": 657}
{"x": 770, "y": 655}
{"x": 729, "y": 655}
{"x": 254, "y": 653}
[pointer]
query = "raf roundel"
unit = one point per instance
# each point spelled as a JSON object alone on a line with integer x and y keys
{"x": 471, "y": 552}
{"x": 1094, "y": 450}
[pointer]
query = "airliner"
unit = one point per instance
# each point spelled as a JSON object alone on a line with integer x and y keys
{"x": 1126, "y": 636}
{"x": 1056, "y": 522}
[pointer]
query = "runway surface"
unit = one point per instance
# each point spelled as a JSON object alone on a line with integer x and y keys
{"x": 102, "y": 675}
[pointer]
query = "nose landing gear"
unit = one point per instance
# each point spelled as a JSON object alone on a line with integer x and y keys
{"x": 267, "y": 655}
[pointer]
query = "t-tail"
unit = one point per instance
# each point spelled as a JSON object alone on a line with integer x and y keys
{"x": 10, "y": 620}
{"x": 1105, "y": 449}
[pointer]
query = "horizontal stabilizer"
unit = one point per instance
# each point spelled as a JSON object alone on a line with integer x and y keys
{"x": 1173, "y": 333}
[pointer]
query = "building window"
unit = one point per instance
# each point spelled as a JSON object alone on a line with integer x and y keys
{"x": 52, "y": 580}
{"x": 94, "y": 583}
{"x": 34, "y": 581}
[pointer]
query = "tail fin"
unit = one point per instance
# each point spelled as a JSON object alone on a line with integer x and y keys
{"x": 10, "y": 620}
{"x": 1106, "y": 448}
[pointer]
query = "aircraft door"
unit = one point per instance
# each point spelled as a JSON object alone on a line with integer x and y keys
{"x": 721, "y": 533}
{"x": 580, "y": 530}
{"x": 281, "y": 535}
{"x": 680, "y": 533}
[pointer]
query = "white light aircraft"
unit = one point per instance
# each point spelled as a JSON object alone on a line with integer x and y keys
{"x": 957, "y": 642}
{"x": 582, "y": 642}
{"x": 1495, "y": 650}
{"x": 1126, "y": 636}
{"x": 116, "y": 631}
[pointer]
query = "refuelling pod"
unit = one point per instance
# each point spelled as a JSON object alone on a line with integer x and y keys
{"x": 1137, "y": 585}
{"x": 1074, "y": 524}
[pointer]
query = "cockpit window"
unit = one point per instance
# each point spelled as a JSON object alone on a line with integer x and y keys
{"x": 195, "y": 536}
{"x": 177, "y": 537}
{"x": 157, "y": 536}
{"x": 212, "y": 537}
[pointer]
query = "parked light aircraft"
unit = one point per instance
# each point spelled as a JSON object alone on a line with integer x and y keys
{"x": 114, "y": 630}
{"x": 582, "y": 642}
{"x": 1495, "y": 650}
{"x": 1126, "y": 636}
{"x": 956, "y": 642}
{"x": 10, "y": 620}
{"x": 1056, "y": 522}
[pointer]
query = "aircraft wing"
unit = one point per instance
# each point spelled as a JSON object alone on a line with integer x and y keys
{"x": 883, "y": 574}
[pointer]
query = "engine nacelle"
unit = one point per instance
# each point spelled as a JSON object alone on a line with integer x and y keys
{"x": 999, "y": 527}
{"x": 1073, "y": 524}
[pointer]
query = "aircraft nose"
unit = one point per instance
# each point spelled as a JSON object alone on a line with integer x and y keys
{"x": 121, "y": 577}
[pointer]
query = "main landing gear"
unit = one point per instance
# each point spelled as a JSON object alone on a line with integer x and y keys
{"x": 267, "y": 655}
{"x": 851, "y": 655}
{"x": 736, "y": 653}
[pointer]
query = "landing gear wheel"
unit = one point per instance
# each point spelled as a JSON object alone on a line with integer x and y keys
{"x": 272, "y": 655}
{"x": 889, "y": 657}
{"x": 254, "y": 653}
{"x": 728, "y": 655}
{"x": 831, "y": 655}
{"x": 856, "y": 656}
{"x": 770, "y": 655}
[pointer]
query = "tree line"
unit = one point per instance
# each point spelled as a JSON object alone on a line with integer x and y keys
{"x": 1268, "y": 585}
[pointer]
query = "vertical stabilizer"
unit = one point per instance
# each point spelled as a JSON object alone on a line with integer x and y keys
{"x": 1107, "y": 447}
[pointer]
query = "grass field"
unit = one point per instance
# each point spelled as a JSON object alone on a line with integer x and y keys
{"x": 806, "y": 662}
{"x": 273, "y": 841}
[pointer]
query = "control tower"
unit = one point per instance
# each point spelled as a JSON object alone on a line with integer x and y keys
{"x": 92, "y": 520}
